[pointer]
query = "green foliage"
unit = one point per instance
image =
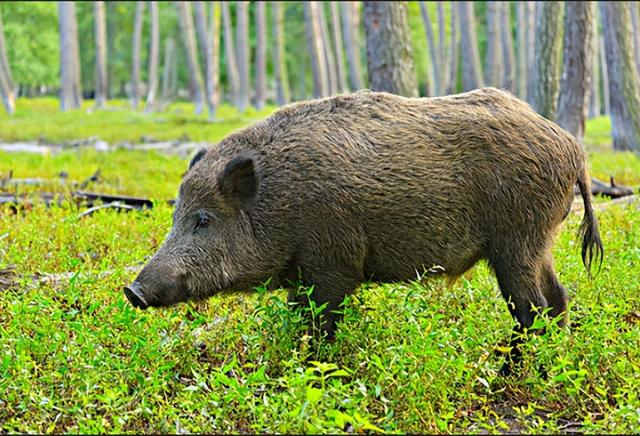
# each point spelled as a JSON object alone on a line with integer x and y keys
{"x": 409, "y": 357}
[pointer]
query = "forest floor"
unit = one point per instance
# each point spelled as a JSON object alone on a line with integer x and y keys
{"x": 411, "y": 357}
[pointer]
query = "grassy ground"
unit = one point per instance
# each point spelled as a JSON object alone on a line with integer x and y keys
{"x": 409, "y": 357}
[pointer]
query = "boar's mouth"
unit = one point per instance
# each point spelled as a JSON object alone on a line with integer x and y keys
{"x": 135, "y": 296}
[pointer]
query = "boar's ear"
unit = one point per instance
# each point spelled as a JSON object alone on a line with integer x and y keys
{"x": 238, "y": 181}
{"x": 199, "y": 155}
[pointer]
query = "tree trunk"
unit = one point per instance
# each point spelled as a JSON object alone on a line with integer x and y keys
{"x": 206, "y": 46}
{"x": 604, "y": 69}
{"x": 337, "y": 44}
{"x": 636, "y": 33}
{"x": 329, "y": 59}
{"x": 279, "y": 64}
{"x": 185, "y": 21}
{"x": 390, "y": 61}
{"x": 233, "y": 76}
{"x": 532, "y": 9}
{"x": 261, "y": 55}
{"x": 471, "y": 72}
{"x": 242, "y": 54}
{"x": 442, "y": 71}
{"x": 521, "y": 35}
{"x": 213, "y": 84}
{"x": 7, "y": 91}
{"x": 101, "y": 54}
{"x": 594, "y": 103}
{"x": 454, "y": 51}
{"x": 137, "y": 46}
{"x": 154, "y": 56}
{"x": 169, "y": 65}
{"x": 351, "y": 45}
{"x": 493, "y": 58}
{"x": 506, "y": 38}
{"x": 624, "y": 89}
{"x": 316, "y": 50}
{"x": 434, "y": 78}
{"x": 546, "y": 72}
{"x": 70, "y": 97}
{"x": 575, "y": 85}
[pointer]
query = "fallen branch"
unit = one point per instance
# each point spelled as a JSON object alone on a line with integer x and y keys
{"x": 611, "y": 190}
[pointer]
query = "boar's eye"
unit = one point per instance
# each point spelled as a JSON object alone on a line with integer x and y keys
{"x": 203, "y": 220}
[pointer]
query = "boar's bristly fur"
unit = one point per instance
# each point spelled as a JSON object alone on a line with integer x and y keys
{"x": 375, "y": 186}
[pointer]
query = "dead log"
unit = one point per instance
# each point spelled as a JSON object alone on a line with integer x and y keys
{"x": 611, "y": 190}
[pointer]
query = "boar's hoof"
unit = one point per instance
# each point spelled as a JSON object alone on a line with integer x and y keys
{"x": 135, "y": 296}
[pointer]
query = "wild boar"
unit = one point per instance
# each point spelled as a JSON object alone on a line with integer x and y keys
{"x": 373, "y": 186}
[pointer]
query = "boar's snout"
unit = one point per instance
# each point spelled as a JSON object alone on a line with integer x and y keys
{"x": 135, "y": 296}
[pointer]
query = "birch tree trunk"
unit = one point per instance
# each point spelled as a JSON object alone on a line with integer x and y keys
{"x": 575, "y": 85}
{"x": 521, "y": 35}
{"x": 329, "y": 59}
{"x": 242, "y": 53}
{"x": 351, "y": 44}
{"x": 594, "y": 104}
{"x": 434, "y": 78}
{"x": 316, "y": 50}
{"x": 532, "y": 9}
{"x": 635, "y": 25}
{"x": 493, "y": 58}
{"x": 233, "y": 76}
{"x": 213, "y": 85}
{"x": 442, "y": 54}
{"x": 624, "y": 89}
{"x": 206, "y": 46}
{"x": 185, "y": 22}
{"x": 169, "y": 65}
{"x": 261, "y": 55}
{"x": 471, "y": 72}
{"x": 7, "y": 91}
{"x": 135, "y": 61}
{"x": 101, "y": 54}
{"x": 390, "y": 61}
{"x": 546, "y": 72}
{"x": 279, "y": 64}
{"x": 154, "y": 56}
{"x": 604, "y": 70}
{"x": 506, "y": 38}
{"x": 337, "y": 45}
{"x": 70, "y": 97}
{"x": 454, "y": 51}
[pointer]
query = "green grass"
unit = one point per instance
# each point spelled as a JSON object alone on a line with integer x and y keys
{"x": 75, "y": 357}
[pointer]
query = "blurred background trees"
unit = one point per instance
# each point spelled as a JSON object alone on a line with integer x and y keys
{"x": 568, "y": 60}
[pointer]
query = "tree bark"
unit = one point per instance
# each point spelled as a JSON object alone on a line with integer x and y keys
{"x": 441, "y": 44}
{"x": 329, "y": 59}
{"x": 261, "y": 55}
{"x": 316, "y": 50}
{"x": 506, "y": 38}
{"x": 233, "y": 76}
{"x": 435, "y": 78}
{"x": 279, "y": 64}
{"x": 493, "y": 58}
{"x": 532, "y": 9}
{"x": 135, "y": 61}
{"x": 7, "y": 91}
{"x": 213, "y": 85}
{"x": 337, "y": 44}
{"x": 154, "y": 56}
{"x": 185, "y": 22}
{"x": 390, "y": 61}
{"x": 521, "y": 63}
{"x": 546, "y": 72}
{"x": 351, "y": 43}
{"x": 575, "y": 85}
{"x": 594, "y": 100}
{"x": 70, "y": 96}
{"x": 454, "y": 51}
{"x": 471, "y": 72}
{"x": 635, "y": 32}
{"x": 101, "y": 54}
{"x": 169, "y": 66}
{"x": 242, "y": 54}
{"x": 624, "y": 89}
{"x": 206, "y": 46}
{"x": 604, "y": 70}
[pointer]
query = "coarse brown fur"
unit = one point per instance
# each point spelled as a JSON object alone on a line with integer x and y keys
{"x": 375, "y": 186}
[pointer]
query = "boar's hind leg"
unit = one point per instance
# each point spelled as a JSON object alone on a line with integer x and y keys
{"x": 520, "y": 285}
{"x": 554, "y": 292}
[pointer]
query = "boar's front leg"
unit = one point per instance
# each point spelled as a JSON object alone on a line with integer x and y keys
{"x": 330, "y": 286}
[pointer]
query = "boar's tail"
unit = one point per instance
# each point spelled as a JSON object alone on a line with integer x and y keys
{"x": 591, "y": 243}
